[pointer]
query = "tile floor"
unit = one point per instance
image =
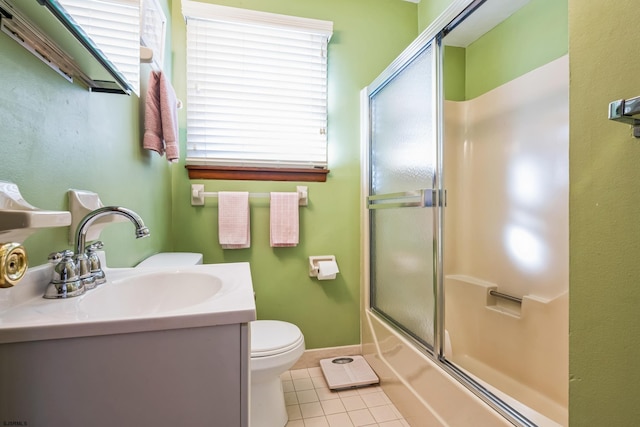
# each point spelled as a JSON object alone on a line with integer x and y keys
{"x": 310, "y": 403}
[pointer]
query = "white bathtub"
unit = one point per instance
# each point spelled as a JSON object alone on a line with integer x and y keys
{"x": 521, "y": 349}
{"x": 511, "y": 365}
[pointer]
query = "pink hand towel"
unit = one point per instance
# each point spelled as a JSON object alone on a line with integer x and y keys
{"x": 284, "y": 220}
{"x": 152, "y": 121}
{"x": 169, "y": 115}
{"x": 161, "y": 118}
{"x": 233, "y": 220}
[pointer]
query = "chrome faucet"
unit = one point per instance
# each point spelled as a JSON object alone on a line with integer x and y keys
{"x": 72, "y": 276}
{"x": 83, "y": 227}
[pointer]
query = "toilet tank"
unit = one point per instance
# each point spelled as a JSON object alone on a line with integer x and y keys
{"x": 171, "y": 259}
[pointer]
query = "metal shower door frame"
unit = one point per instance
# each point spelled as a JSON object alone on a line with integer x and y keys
{"x": 411, "y": 198}
{"x": 455, "y": 13}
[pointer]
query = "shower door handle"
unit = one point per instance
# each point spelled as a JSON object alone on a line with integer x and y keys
{"x": 423, "y": 198}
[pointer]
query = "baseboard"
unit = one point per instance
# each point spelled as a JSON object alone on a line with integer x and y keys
{"x": 311, "y": 358}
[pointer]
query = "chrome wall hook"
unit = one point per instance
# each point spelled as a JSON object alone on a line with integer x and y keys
{"x": 623, "y": 111}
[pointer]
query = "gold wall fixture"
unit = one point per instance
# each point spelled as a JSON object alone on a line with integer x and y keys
{"x": 13, "y": 264}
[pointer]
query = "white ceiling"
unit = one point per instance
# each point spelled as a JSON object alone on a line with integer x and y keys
{"x": 483, "y": 19}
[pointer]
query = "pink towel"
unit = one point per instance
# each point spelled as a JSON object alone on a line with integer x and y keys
{"x": 161, "y": 118}
{"x": 152, "y": 119}
{"x": 169, "y": 114}
{"x": 284, "y": 220}
{"x": 233, "y": 220}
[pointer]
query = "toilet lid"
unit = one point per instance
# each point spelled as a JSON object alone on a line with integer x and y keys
{"x": 269, "y": 337}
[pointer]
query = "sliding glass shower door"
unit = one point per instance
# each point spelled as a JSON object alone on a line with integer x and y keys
{"x": 402, "y": 178}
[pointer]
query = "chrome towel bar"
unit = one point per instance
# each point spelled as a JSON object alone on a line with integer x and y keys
{"x": 497, "y": 294}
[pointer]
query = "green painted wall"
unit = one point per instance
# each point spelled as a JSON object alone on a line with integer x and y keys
{"x": 368, "y": 35}
{"x": 604, "y": 210}
{"x": 533, "y": 36}
{"x": 454, "y": 68}
{"x": 56, "y": 136}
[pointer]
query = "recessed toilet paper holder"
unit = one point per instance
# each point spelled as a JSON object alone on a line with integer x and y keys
{"x": 324, "y": 267}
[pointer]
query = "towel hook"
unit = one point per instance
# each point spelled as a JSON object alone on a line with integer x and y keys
{"x": 623, "y": 111}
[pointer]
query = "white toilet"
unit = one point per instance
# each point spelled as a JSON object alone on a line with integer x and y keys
{"x": 275, "y": 347}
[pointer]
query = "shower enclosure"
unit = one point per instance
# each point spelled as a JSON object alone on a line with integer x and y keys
{"x": 466, "y": 225}
{"x": 403, "y": 175}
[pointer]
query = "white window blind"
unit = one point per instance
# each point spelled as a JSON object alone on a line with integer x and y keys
{"x": 256, "y": 88}
{"x": 114, "y": 26}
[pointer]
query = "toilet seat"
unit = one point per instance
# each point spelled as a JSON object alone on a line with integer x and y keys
{"x": 271, "y": 337}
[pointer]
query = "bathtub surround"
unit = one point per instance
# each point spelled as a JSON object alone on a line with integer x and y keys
{"x": 529, "y": 367}
{"x": 516, "y": 241}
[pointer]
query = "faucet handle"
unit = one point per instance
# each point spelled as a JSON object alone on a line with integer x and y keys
{"x": 94, "y": 262}
{"x": 55, "y": 257}
{"x": 84, "y": 270}
{"x": 95, "y": 246}
{"x": 65, "y": 270}
{"x": 66, "y": 282}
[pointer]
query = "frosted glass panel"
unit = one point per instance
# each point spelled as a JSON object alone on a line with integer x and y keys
{"x": 402, "y": 268}
{"x": 402, "y": 146}
{"x": 403, "y": 159}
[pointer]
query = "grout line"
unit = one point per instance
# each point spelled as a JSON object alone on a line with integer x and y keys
{"x": 311, "y": 403}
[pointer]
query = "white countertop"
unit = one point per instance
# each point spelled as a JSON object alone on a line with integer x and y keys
{"x": 26, "y": 316}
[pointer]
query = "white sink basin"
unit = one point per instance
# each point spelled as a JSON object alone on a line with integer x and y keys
{"x": 132, "y": 300}
{"x": 151, "y": 293}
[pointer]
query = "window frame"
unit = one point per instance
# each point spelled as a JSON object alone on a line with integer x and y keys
{"x": 199, "y": 168}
